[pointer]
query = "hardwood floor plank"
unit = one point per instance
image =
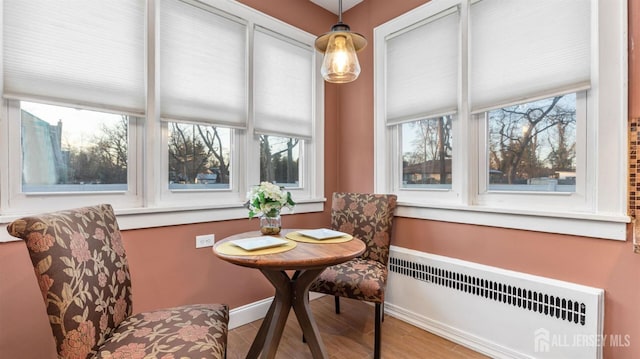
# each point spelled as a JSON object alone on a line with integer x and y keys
{"x": 349, "y": 335}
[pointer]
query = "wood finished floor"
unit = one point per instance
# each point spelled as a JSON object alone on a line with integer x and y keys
{"x": 349, "y": 335}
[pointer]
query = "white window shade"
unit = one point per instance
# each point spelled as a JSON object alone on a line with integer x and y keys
{"x": 87, "y": 52}
{"x": 203, "y": 66}
{"x": 422, "y": 70}
{"x": 528, "y": 49}
{"x": 283, "y": 83}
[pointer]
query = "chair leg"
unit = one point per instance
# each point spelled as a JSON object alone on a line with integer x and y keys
{"x": 378, "y": 320}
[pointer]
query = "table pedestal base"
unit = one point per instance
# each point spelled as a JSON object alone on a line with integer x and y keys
{"x": 290, "y": 293}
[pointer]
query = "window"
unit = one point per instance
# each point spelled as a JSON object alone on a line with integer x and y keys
{"x": 532, "y": 146}
{"x": 203, "y": 100}
{"x": 279, "y": 160}
{"x": 71, "y": 155}
{"x": 283, "y": 116}
{"x": 199, "y": 156}
{"x": 69, "y": 150}
{"x": 156, "y": 108}
{"x": 500, "y": 117}
{"x": 70, "y": 124}
{"x": 426, "y": 153}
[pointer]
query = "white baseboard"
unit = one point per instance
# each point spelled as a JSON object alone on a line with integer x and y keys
{"x": 255, "y": 311}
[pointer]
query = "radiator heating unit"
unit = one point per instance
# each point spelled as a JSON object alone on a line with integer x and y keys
{"x": 501, "y": 313}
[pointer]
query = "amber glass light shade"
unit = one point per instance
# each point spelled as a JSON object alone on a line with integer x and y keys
{"x": 340, "y": 64}
{"x": 339, "y": 46}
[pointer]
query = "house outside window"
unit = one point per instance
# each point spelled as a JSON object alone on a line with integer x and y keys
{"x": 427, "y": 147}
{"x": 71, "y": 150}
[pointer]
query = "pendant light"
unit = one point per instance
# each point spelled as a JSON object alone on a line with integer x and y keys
{"x": 340, "y": 63}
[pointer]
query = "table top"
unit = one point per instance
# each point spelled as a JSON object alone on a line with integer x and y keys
{"x": 303, "y": 256}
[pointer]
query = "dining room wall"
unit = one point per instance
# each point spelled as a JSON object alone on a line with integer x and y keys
{"x": 611, "y": 265}
{"x": 168, "y": 270}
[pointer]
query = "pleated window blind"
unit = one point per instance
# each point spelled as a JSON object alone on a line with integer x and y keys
{"x": 86, "y": 52}
{"x": 283, "y": 85}
{"x": 528, "y": 49}
{"x": 203, "y": 67}
{"x": 422, "y": 69}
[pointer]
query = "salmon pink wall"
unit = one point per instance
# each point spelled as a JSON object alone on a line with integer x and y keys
{"x": 168, "y": 270}
{"x": 606, "y": 264}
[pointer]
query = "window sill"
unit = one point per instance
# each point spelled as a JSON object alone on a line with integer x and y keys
{"x": 138, "y": 218}
{"x": 609, "y": 226}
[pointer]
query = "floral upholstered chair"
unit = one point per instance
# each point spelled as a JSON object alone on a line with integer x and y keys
{"x": 368, "y": 217}
{"x": 81, "y": 268}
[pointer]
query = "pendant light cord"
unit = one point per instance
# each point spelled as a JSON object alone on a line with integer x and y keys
{"x": 340, "y": 11}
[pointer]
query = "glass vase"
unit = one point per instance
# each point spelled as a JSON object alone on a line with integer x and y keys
{"x": 270, "y": 225}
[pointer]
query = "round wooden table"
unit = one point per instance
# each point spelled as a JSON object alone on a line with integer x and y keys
{"x": 308, "y": 260}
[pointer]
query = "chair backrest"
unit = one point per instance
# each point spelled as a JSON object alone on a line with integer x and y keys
{"x": 368, "y": 217}
{"x": 82, "y": 271}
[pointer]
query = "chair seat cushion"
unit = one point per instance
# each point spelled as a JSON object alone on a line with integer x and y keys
{"x": 191, "y": 331}
{"x": 358, "y": 278}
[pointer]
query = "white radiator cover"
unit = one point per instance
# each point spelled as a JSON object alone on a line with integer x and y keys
{"x": 501, "y": 313}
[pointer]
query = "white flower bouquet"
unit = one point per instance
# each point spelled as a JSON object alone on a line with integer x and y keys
{"x": 268, "y": 199}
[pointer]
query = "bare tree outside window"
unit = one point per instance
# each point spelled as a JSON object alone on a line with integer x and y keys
{"x": 532, "y": 146}
{"x": 108, "y": 157}
{"x": 427, "y": 153}
{"x": 279, "y": 160}
{"x": 198, "y": 156}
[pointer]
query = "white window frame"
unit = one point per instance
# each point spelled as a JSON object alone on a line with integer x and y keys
{"x": 146, "y": 203}
{"x": 245, "y": 144}
{"x": 597, "y": 209}
{"x": 21, "y": 202}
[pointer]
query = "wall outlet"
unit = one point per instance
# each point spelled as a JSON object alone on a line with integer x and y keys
{"x": 205, "y": 240}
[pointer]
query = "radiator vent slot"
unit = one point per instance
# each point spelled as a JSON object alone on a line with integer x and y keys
{"x": 565, "y": 309}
